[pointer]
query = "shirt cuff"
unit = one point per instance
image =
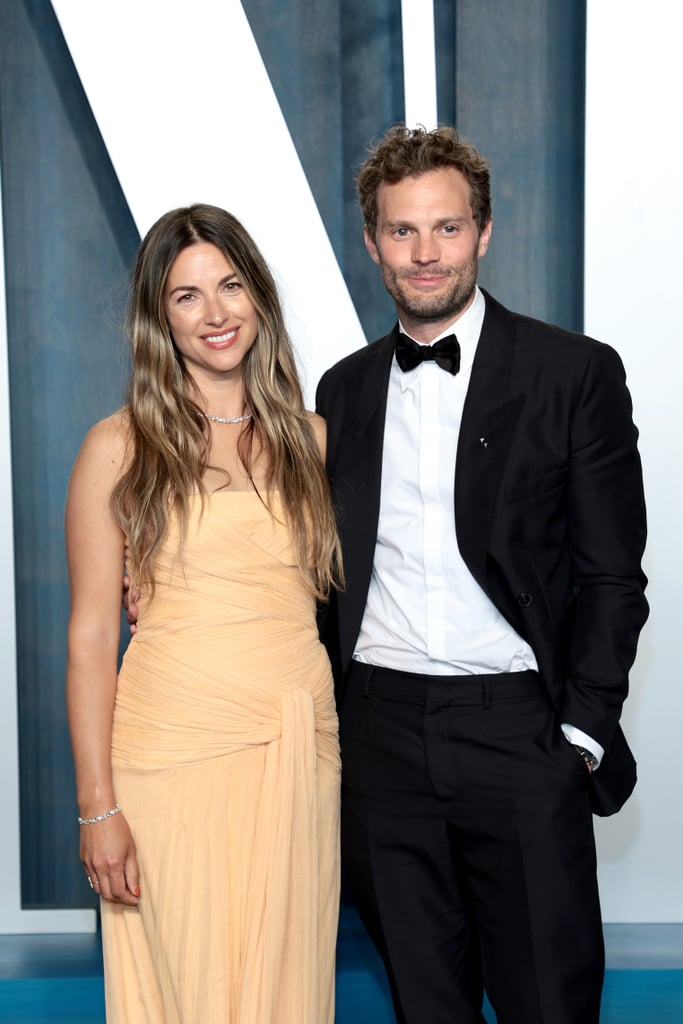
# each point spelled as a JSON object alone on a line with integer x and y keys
{"x": 582, "y": 739}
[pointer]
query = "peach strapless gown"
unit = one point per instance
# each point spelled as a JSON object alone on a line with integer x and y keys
{"x": 226, "y": 764}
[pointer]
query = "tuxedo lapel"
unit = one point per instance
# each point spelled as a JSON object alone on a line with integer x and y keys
{"x": 489, "y": 418}
{"x": 356, "y": 477}
{"x": 365, "y": 421}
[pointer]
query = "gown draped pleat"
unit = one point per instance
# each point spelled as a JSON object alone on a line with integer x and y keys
{"x": 226, "y": 764}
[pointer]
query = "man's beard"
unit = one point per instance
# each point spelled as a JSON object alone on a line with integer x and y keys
{"x": 445, "y": 305}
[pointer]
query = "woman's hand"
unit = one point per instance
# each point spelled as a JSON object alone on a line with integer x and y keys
{"x": 129, "y": 599}
{"x": 110, "y": 862}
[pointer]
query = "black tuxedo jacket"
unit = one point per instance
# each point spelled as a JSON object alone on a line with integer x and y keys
{"x": 549, "y": 511}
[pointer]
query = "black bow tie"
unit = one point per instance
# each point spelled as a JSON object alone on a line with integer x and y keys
{"x": 446, "y": 353}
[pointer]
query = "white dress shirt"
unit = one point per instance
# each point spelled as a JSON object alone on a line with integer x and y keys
{"x": 425, "y": 612}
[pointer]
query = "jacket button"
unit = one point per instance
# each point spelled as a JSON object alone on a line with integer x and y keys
{"x": 524, "y": 600}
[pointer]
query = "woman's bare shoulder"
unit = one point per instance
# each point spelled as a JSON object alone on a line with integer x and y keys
{"x": 106, "y": 447}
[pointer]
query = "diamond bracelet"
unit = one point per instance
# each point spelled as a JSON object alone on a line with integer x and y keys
{"x": 100, "y": 817}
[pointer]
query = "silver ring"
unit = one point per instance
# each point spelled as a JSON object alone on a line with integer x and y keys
{"x": 90, "y": 882}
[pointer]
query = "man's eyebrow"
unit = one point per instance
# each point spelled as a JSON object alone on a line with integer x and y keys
{"x": 453, "y": 218}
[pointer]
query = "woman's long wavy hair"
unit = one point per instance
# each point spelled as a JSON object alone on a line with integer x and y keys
{"x": 170, "y": 436}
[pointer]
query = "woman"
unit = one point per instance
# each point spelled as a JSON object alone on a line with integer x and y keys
{"x": 208, "y": 773}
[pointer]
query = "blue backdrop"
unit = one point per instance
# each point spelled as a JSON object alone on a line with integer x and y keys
{"x": 511, "y": 76}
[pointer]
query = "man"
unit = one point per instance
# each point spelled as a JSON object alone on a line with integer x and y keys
{"x": 492, "y": 522}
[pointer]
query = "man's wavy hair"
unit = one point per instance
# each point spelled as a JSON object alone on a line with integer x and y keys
{"x": 409, "y": 152}
{"x": 169, "y": 435}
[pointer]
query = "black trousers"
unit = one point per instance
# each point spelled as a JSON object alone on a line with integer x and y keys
{"x": 467, "y": 840}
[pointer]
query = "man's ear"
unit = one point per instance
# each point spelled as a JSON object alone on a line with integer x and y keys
{"x": 485, "y": 238}
{"x": 370, "y": 245}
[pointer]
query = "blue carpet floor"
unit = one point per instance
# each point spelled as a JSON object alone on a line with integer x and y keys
{"x": 45, "y": 979}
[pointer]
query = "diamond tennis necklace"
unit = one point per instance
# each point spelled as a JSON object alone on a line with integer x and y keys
{"x": 229, "y": 419}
